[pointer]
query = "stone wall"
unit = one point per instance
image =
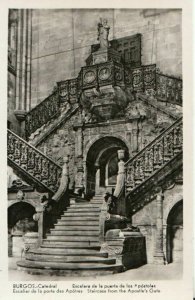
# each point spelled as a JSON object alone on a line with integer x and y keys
{"x": 61, "y": 143}
{"x": 145, "y": 219}
{"x": 61, "y": 41}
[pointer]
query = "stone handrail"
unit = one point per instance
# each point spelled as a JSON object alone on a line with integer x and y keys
{"x": 42, "y": 113}
{"x": 33, "y": 163}
{"x": 154, "y": 156}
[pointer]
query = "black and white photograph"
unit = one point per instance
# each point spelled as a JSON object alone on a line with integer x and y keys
{"x": 95, "y": 145}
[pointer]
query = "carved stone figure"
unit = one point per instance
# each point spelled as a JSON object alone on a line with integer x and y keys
{"x": 103, "y": 32}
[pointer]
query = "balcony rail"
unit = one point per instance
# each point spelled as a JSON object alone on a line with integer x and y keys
{"x": 142, "y": 79}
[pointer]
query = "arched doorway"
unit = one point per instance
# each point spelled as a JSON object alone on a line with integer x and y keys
{"x": 102, "y": 164}
{"x": 20, "y": 221}
{"x": 175, "y": 233}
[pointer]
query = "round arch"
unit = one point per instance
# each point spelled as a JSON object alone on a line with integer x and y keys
{"x": 174, "y": 234}
{"x": 97, "y": 155}
{"x": 20, "y": 217}
{"x": 101, "y": 136}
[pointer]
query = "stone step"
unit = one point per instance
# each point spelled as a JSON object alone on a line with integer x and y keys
{"x": 76, "y": 228}
{"x": 80, "y": 218}
{"x": 69, "y": 259}
{"x": 78, "y": 222}
{"x": 69, "y": 238}
{"x": 78, "y": 200}
{"x": 71, "y": 269}
{"x": 78, "y": 233}
{"x": 87, "y": 207}
{"x": 84, "y": 213}
{"x": 72, "y": 252}
{"x": 83, "y": 209}
{"x": 71, "y": 244}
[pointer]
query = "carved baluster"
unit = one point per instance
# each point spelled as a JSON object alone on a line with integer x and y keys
{"x": 137, "y": 172}
{"x": 177, "y": 139}
{"x": 156, "y": 156}
{"x": 52, "y": 175}
{"x": 130, "y": 181}
{"x": 150, "y": 163}
{"x": 17, "y": 151}
{"x": 142, "y": 167}
{"x": 38, "y": 166}
{"x": 24, "y": 156}
{"x": 45, "y": 171}
{"x": 168, "y": 147}
{"x": 31, "y": 159}
{"x": 161, "y": 153}
{"x": 10, "y": 145}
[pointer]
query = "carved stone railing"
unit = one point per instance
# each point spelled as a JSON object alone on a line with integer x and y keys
{"x": 42, "y": 113}
{"x": 154, "y": 156}
{"x": 141, "y": 79}
{"x": 33, "y": 163}
{"x": 168, "y": 89}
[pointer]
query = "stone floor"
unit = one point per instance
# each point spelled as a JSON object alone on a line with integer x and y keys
{"x": 147, "y": 272}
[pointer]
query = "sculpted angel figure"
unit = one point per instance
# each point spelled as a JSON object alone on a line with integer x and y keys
{"x": 103, "y": 32}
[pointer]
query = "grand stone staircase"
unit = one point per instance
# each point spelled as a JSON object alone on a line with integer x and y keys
{"x": 73, "y": 246}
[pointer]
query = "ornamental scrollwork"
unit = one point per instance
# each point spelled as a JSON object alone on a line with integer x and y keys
{"x": 33, "y": 162}
{"x": 154, "y": 156}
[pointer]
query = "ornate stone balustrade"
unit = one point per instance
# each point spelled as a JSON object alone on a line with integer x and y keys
{"x": 169, "y": 89}
{"x": 33, "y": 163}
{"x": 112, "y": 73}
{"x": 154, "y": 156}
{"x": 141, "y": 79}
{"x": 42, "y": 113}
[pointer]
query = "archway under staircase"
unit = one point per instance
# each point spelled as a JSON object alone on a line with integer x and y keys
{"x": 102, "y": 164}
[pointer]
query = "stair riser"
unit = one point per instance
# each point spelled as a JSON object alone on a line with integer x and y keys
{"x": 74, "y": 233}
{"x": 84, "y": 206}
{"x": 84, "y": 209}
{"x": 77, "y": 214}
{"x": 82, "y": 223}
{"x": 79, "y": 218}
{"x": 72, "y": 238}
{"x": 70, "y": 252}
{"x": 70, "y": 259}
{"x": 71, "y": 244}
{"x": 76, "y": 228}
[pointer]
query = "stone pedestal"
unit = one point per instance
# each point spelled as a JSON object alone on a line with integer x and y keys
{"x": 127, "y": 247}
{"x": 105, "y": 54}
{"x": 31, "y": 240}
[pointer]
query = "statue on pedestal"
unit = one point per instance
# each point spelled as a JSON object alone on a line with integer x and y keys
{"x": 103, "y": 32}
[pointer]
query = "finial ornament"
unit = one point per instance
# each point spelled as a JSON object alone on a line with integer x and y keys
{"x": 103, "y": 32}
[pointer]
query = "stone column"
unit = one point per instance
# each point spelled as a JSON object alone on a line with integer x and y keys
{"x": 134, "y": 140}
{"x": 23, "y": 78}
{"x": 79, "y": 155}
{"x": 97, "y": 179}
{"x": 158, "y": 247}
